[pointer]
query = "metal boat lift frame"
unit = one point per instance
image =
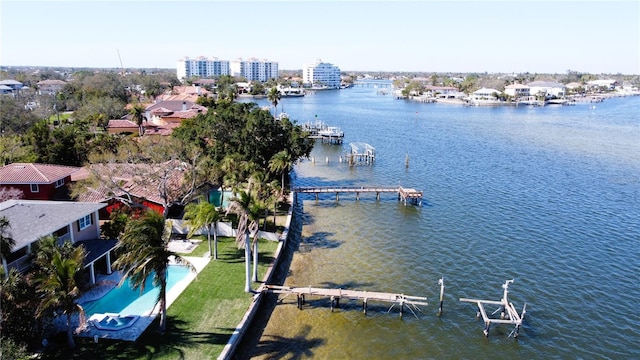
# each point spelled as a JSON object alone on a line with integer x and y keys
{"x": 508, "y": 312}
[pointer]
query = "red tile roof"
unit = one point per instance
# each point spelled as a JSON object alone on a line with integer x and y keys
{"x": 30, "y": 173}
{"x": 122, "y": 123}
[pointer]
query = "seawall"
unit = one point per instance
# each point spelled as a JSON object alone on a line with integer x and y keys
{"x": 241, "y": 329}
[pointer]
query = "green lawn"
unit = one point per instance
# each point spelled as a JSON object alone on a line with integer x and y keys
{"x": 200, "y": 321}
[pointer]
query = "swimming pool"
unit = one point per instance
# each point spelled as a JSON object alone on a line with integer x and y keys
{"x": 124, "y": 300}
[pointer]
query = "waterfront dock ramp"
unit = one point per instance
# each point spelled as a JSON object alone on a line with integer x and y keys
{"x": 335, "y": 295}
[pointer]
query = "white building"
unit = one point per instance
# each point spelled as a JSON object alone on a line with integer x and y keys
{"x": 201, "y": 67}
{"x": 254, "y": 70}
{"x": 517, "y": 90}
{"x": 549, "y": 89}
{"x": 321, "y": 74}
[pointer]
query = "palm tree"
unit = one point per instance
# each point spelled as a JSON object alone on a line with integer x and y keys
{"x": 203, "y": 214}
{"x": 137, "y": 115}
{"x": 241, "y": 205}
{"x": 143, "y": 251}
{"x": 59, "y": 288}
{"x": 6, "y": 242}
{"x": 274, "y": 96}
{"x": 281, "y": 162}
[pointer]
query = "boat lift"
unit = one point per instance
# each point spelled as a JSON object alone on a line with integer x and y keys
{"x": 508, "y": 312}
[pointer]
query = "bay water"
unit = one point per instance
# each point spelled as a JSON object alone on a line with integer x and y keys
{"x": 547, "y": 196}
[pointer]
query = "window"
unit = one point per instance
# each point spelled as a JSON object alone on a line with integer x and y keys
{"x": 59, "y": 183}
{"x": 84, "y": 222}
{"x": 35, "y": 188}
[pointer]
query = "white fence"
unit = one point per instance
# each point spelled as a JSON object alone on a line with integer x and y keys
{"x": 224, "y": 229}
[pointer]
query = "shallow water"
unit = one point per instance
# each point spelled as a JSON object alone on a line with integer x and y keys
{"x": 547, "y": 196}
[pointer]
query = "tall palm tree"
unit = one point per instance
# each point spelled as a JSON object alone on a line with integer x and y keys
{"x": 143, "y": 251}
{"x": 59, "y": 288}
{"x": 241, "y": 205}
{"x": 6, "y": 242}
{"x": 281, "y": 162}
{"x": 203, "y": 214}
{"x": 137, "y": 115}
{"x": 274, "y": 96}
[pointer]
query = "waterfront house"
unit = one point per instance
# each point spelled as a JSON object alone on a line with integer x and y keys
{"x": 29, "y": 220}
{"x": 608, "y": 84}
{"x": 517, "y": 91}
{"x": 549, "y": 89}
{"x": 485, "y": 96}
{"x": 38, "y": 181}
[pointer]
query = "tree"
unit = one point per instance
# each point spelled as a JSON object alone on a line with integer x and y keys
{"x": 242, "y": 205}
{"x": 143, "y": 252}
{"x": 274, "y": 96}
{"x": 59, "y": 288}
{"x": 137, "y": 116}
{"x": 6, "y": 241}
{"x": 281, "y": 163}
{"x": 203, "y": 214}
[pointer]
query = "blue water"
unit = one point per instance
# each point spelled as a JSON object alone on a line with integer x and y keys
{"x": 124, "y": 300}
{"x": 548, "y": 196}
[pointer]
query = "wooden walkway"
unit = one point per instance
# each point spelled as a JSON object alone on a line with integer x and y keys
{"x": 405, "y": 195}
{"x": 336, "y": 294}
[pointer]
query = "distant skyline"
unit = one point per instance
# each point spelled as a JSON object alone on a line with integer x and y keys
{"x": 414, "y": 36}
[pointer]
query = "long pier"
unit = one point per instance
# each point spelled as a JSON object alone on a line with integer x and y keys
{"x": 336, "y": 294}
{"x": 405, "y": 195}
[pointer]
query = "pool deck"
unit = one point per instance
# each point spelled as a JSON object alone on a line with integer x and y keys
{"x": 108, "y": 282}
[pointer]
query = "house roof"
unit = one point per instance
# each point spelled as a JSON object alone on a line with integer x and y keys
{"x": 547, "y": 84}
{"x": 10, "y": 82}
{"x": 52, "y": 82}
{"x": 32, "y": 173}
{"x": 31, "y": 219}
{"x": 517, "y": 86}
{"x": 129, "y": 178}
{"x": 486, "y": 91}
{"x": 170, "y": 105}
{"x": 122, "y": 124}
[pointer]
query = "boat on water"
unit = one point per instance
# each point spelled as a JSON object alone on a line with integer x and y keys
{"x": 320, "y": 130}
{"x": 331, "y": 131}
{"x": 291, "y": 92}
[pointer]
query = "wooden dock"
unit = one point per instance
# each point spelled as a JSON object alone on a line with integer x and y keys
{"x": 336, "y": 294}
{"x": 404, "y": 195}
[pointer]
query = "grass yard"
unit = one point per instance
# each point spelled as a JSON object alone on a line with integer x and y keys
{"x": 200, "y": 321}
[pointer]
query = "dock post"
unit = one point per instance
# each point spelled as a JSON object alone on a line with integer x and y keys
{"x": 317, "y": 196}
{"x": 332, "y": 302}
{"x": 302, "y": 297}
{"x": 486, "y": 328}
{"x": 441, "y": 282}
{"x": 378, "y": 196}
{"x": 401, "y": 308}
{"x": 299, "y": 302}
{"x": 364, "y": 306}
{"x": 357, "y": 196}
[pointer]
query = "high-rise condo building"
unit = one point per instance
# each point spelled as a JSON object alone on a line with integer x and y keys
{"x": 254, "y": 70}
{"x": 201, "y": 67}
{"x": 321, "y": 74}
{"x": 251, "y": 69}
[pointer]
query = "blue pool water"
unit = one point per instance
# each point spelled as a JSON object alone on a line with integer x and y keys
{"x": 124, "y": 300}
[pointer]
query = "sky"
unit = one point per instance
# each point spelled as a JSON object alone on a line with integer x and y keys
{"x": 414, "y": 36}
